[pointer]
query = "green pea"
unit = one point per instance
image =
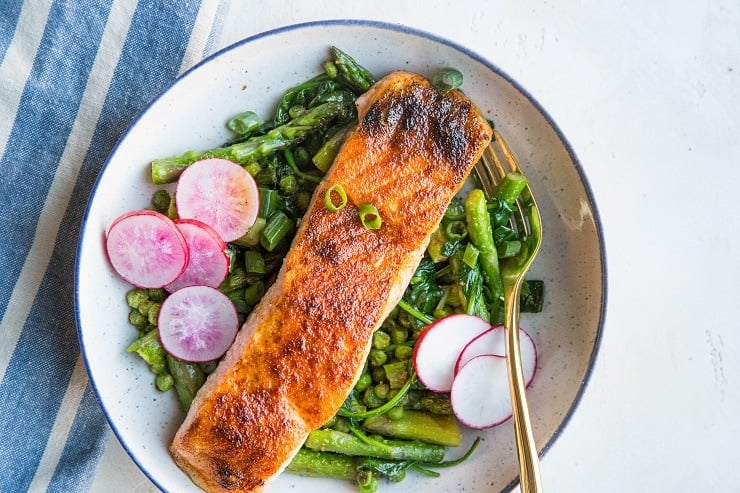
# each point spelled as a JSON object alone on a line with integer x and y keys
{"x": 165, "y": 381}
{"x": 157, "y": 295}
{"x": 370, "y": 399}
{"x": 136, "y": 296}
{"x": 378, "y": 374}
{"x": 136, "y": 319}
{"x": 377, "y": 357}
{"x": 153, "y": 313}
{"x": 364, "y": 382}
{"x": 144, "y": 306}
{"x": 399, "y": 335}
{"x": 381, "y": 390}
{"x": 403, "y": 352}
{"x": 381, "y": 339}
{"x": 288, "y": 184}
{"x": 161, "y": 201}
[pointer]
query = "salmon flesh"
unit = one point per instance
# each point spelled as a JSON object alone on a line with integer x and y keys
{"x": 303, "y": 347}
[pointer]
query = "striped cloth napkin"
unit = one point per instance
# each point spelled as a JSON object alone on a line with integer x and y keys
{"x": 73, "y": 76}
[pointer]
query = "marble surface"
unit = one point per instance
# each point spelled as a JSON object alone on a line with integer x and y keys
{"x": 648, "y": 95}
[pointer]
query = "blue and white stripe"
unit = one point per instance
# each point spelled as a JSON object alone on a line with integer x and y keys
{"x": 73, "y": 75}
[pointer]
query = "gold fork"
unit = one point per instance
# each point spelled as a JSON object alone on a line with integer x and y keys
{"x": 497, "y": 161}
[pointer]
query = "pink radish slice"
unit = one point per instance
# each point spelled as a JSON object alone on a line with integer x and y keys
{"x": 493, "y": 341}
{"x": 439, "y": 345}
{"x": 480, "y": 393}
{"x": 208, "y": 263}
{"x": 146, "y": 248}
{"x": 221, "y": 194}
{"x": 197, "y": 323}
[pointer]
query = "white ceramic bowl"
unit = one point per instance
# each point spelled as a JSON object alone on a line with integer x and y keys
{"x": 251, "y": 75}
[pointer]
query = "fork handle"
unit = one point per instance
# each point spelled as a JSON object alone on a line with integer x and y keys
{"x": 529, "y": 471}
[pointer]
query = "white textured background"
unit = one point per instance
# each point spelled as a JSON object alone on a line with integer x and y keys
{"x": 648, "y": 94}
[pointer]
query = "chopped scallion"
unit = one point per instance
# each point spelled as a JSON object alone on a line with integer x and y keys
{"x": 244, "y": 124}
{"x": 370, "y": 216}
{"x": 252, "y": 238}
{"x": 330, "y": 203}
{"x": 254, "y": 262}
{"x": 456, "y": 230}
{"x": 253, "y": 293}
{"x": 269, "y": 201}
{"x": 509, "y": 248}
{"x": 277, "y": 228}
{"x": 470, "y": 255}
{"x": 447, "y": 79}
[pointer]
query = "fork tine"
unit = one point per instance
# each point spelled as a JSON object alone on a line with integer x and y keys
{"x": 498, "y": 160}
{"x": 484, "y": 173}
{"x": 506, "y": 151}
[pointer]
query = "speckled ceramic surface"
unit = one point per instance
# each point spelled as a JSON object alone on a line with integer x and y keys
{"x": 191, "y": 114}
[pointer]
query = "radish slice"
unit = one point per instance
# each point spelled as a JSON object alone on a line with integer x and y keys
{"x": 197, "y": 323}
{"x": 439, "y": 345}
{"x": 480, "y": 393}
{"x": 146, "y": 248}
{"x": 208, "y": 263}
{"x": 221, "y": 194}
{"x": 493, "y": 341}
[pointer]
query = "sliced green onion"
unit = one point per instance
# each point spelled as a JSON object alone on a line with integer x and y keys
{"x": 253, "y": 293}
{"x": 509, "y": 248}
{"x": 447, "y": 79}
{"x": 370, "y": 217}
{"x": 252, "y": 238}
{"x": 470, "y": 255}
{"x": 456, "y": 230}
{"x": 277, "y": 228}
{"x": 331, "y": 206}
{"x": 269, "y": 201}
{"x": 254, "y": 262}
{"x": 245, "y": 123}
{"x": 511, "y": 187}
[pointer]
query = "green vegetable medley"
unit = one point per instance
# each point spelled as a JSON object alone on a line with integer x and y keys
{"x": 390, "y": 424}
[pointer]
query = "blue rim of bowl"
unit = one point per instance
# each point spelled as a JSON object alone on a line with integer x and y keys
{"x": 413, "y": 32}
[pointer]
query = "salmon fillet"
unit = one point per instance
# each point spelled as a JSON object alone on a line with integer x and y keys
{"x": 302, "y": 349}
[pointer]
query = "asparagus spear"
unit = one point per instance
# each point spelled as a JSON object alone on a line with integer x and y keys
{"x": 434, "y": 403}
{"x": 511, "y": 187}
{"x": 416, "y": 425}
{"x": 348, "y": 444}
{"x": 349, "y": 71}
{"x": 166, "y": 170}
{"x": 481, "y": 235}
{"x": 324, "y": 157}
{"x": 361, "y": 470}
{"x": 189, "y": 377}
{"x": 319, "y": 464}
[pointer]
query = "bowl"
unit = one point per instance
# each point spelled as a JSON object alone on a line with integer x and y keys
{"x": 251, "y": 74}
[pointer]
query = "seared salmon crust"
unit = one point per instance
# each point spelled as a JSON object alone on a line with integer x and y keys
{"x": 302, "y": 349}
